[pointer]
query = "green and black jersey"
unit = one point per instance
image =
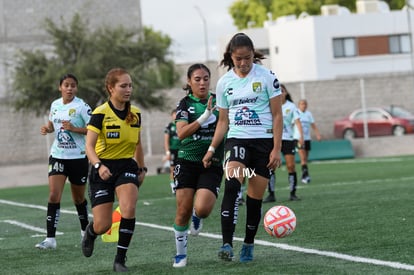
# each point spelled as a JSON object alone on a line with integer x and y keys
{"x": 194, "y": 147}
{"x": 174, "y": 141}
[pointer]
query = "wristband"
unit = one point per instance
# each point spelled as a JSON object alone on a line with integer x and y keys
{"x": 211, "y": 149}
{"x": 167, "y": 152}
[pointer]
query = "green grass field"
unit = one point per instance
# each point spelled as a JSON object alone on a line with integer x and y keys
{"x": 356, "y": 217}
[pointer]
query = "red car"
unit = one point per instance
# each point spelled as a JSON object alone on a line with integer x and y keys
{"x": 384, "y": 121}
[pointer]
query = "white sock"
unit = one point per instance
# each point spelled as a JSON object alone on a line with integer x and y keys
{"x": 172, "y": 184}
{"x": 181, "y": 241}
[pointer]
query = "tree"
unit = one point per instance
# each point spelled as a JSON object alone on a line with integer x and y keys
{"x": 253, "y": 13}
{"x": 89, "y": 55}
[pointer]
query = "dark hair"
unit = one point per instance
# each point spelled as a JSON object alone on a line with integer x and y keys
{"x": 239, "y": 40}
{"x": 288, "y": 96}
{"x": 112, "y": 77}
{"x": 66, "y": 76}
{"x": 190, "y": 72}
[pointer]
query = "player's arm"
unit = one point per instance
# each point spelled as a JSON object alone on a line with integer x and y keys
{"x": 139, "y": 158}
{"x": 277, "y": 129}
{"x": 185, "y": 129}
{"x": 48, "y": 128}
{"x": 219, "y": 134}
{"x": 316, "y": 131}
{"x": 167, "y": 145}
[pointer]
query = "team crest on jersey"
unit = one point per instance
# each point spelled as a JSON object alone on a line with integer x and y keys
{"x": 72, "y": 112}
{"x": 246, "y": 116}
{"x": 257, "y": 87}
{"x": 287, "y": 111}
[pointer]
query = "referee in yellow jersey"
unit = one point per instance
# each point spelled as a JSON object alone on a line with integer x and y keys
{"x": 113, "y": 147}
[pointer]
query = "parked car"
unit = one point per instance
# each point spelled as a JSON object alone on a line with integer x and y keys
{"x": 381, "y": 121}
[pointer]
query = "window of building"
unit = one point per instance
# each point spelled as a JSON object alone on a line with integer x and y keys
{"x": 400, "y": 43}
{"x": 344, "y": 47}
{"x": 264, "y": 51}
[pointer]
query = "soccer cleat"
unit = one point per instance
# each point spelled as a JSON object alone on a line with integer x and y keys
{"x": 294, "y": 198}
{"x": 306, "y": 180}
{"x": 246, "y": 253}
{"x": 180, "y": 261}
{"x": 48, "y": 243}
{"x": 88, "y": 242}
{"x": 119, "y": 265}
{"x": 270, "y": 198}
{"x": 226, "y": 252}
{"x": 196, "y": 225}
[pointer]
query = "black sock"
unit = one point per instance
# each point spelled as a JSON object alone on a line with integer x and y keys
{"x": 83, "y": 214}
{"x": 292, "y": 182}
{"x": 253, "y": 217}
{"x": 52, "y": 219}
{"x": 126, "y": 230}
{"x": 271, "y": 184}
{"x": 91, "y": 232}
{"x": 305, "y": 172}
{"x": 230, "y": 209}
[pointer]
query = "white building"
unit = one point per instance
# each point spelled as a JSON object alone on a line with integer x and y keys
{"x": 337, "y": 44}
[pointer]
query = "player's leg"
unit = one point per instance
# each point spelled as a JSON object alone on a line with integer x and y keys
{"x": 57, "y": 180}
{"x": 77, "y": 174}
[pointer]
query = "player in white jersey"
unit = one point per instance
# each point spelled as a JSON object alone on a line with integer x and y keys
{"x": 308, "y": 123}
{"x": 67, "y": 118}
{"x": 249, "y": 102}
{"x": 290, "y": 120}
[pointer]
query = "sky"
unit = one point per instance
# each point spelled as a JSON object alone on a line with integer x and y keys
{"x": 182, "y": 20}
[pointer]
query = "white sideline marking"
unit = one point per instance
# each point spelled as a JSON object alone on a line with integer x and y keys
{"x": 341, "y": 256}
{"x": 27, "y": 226}
{"x": 362, "y": 160}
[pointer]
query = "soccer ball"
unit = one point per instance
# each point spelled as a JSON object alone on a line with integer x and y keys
{"x": 279, "y": 221}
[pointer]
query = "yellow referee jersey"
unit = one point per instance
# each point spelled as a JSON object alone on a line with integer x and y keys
{"x": 116, "y": 138}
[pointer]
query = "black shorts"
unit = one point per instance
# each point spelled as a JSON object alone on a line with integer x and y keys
{"x": 288, "y": 147}
{"x": 103, "y": 191}
{"x": 306, "y": 146}
{"x": 173, "y": 157}
{"x": 75, "y": 169}
{"x": 189, "y": 174}
{"x": 253, "y": 153}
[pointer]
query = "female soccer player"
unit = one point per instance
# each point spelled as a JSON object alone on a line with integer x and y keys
{"x": 249, "y": 101}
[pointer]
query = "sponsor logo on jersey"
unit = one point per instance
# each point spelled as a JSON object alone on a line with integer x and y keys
{"x": 112, "y": 135}
{"x": 246, "y": 116}
{"x": 228, "y": 91}
{"x": 276, "y": 84}
{"x": 245, "y": 100}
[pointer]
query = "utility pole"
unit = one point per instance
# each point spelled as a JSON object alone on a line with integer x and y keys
{"x": 205, "y": 31}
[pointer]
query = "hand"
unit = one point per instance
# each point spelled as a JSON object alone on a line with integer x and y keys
{"x": 207, "y": 159}
{"x": 210, "y": 106}
{"x": 44, "y": 130}
{"x": 141, "y": 177}
{"x": 66, "y": 125}
{"x": 104, "y": 172}
{"x": 275, "y": 160}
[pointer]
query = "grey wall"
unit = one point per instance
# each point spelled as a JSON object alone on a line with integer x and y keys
{"x": 21, "y": 142}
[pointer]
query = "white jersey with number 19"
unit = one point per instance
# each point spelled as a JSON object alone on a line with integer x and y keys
{"x": 247, "y": 100}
